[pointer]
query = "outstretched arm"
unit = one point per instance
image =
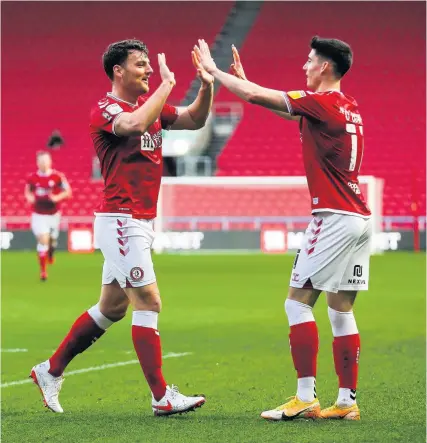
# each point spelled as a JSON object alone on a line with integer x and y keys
{"x": 238, "y": 71}
{"x": 194, "y": 116}
{"x": 246, "y": 90}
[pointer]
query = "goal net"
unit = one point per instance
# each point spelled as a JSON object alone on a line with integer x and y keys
{"x": 242, "y": 213}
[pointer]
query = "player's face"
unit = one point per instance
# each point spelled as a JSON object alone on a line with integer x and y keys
{"x": 136, "y": 72}
{"x": 313, "y": 68}
{"x": 44, "y": 162}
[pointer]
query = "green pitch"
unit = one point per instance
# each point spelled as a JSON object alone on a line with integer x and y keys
{"x": 227, "y": 311}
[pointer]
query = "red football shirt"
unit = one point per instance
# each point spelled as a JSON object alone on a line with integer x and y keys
{"x": 131, "y": 166}
{"x": 332, "y": 143}
{"x": 43, "y": 186}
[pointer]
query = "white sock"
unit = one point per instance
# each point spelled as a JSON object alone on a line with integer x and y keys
{"x": 147, "y": 319}
{"x": 298, "y": 312}
{"x": 306, "y": 389}
{"x": 346, "y": 397}
{"x": 99, "y": 318}
{"x": 42, "y": 248}
{"x": 343, "y": 323}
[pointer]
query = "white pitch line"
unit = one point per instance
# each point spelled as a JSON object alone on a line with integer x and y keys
{"x": 95, "y": 368}
{"x": 14, "y": 350}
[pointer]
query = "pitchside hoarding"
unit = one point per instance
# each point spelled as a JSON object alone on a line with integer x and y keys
{"x": 268, "y": 241}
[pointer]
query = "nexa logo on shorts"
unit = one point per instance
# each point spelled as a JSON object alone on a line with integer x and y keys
{"x": 357, "y": 272}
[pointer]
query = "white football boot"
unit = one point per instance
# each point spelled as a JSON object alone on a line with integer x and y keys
{"x": 174, "y": 402}
{"x": 48, "y": 384}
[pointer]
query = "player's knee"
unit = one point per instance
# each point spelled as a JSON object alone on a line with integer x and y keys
{"x": 43, "y": 240}
{"x": 146, "y": 298}
{"x": 116, "y": 313}
{"x": 342, "y": 301}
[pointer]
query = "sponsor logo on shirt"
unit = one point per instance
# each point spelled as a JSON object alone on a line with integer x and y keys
{"x": 149, "y": 142}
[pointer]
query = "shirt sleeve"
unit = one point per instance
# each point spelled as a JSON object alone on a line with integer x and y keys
{"x": 62, "y": 182}
{"x": 30, "y": 183}
{"x": 103, "y": 119}
{"x": 306, "y": 103}
{"x": 168, "y": 116}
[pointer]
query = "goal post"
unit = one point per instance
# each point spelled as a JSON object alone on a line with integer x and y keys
{"x": 191, "y": 209}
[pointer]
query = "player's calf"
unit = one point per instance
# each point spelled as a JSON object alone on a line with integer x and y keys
{"x": 86, "y": 330}
{"x": 346, "y": 350}
{"x": 42, "y": 254}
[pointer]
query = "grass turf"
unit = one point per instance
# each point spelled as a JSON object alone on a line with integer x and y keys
{"x": 227, "y": 311}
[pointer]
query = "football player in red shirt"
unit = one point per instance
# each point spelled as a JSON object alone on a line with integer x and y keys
{"x": 45, "y": 190}
{"x": 336, "y": 248}
{"x": 126, "y": 130}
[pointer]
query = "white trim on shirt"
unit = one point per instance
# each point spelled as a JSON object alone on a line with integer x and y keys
{"x": 109, "y": 94}
{"x": 288, "y": 103}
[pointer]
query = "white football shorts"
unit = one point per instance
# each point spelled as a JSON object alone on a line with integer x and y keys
{"x": 46, "y": 224}
{"x": 334, "y": 254}
{"x": 125, "y": 243}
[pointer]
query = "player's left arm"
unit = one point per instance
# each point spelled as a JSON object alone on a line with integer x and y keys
{"x": 194, "y": 116}
{"x": 65, "y": 193}
{"x": 246, "y": 90}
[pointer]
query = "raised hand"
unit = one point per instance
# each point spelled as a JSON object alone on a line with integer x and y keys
{"x": 204, "y": 56}
{"x": 202, "y": 74}
{"x": 165, "y": 73}
{"x": 237, "y": 67}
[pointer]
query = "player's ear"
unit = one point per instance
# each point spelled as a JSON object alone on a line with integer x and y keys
{"x": 325, "y": 67}
{"x": 118, "y": 70}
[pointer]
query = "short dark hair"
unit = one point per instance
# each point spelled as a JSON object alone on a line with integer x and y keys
{"x": 335, "y": 50}
{"x": 117, "y": 53}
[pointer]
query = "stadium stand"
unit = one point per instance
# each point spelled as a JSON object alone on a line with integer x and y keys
{"x": 51, "y": 81}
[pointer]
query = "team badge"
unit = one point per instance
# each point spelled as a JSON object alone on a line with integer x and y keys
{"x": 136, "y": 274}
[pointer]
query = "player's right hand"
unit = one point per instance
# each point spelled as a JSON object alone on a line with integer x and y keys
{"x": 237, "y": 67}
{"x": 165, "y": 73}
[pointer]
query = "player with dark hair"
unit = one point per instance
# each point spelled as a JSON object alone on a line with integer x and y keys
{"x": 45, "y": 190}
{"x": 126, "y": 130}
{"x": 334, "y": 257}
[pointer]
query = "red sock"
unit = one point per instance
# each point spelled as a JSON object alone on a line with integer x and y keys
{"x": 346, "y": 357}
{"x": 42, "y": 260}
{"x": 82, "y": 334}
{"x": 148, "y": 348}
{"x": 304, "y": 342}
